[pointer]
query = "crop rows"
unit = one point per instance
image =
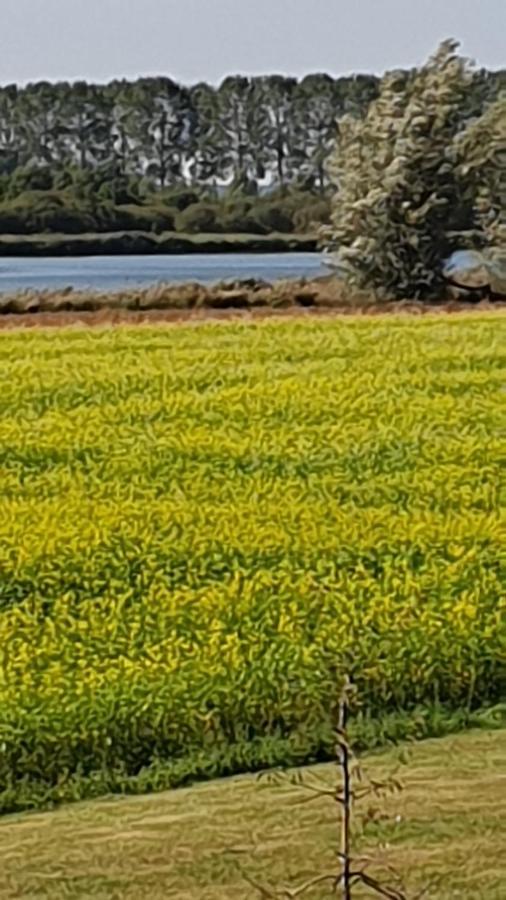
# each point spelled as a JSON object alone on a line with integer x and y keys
{"x": 202, "y": 528}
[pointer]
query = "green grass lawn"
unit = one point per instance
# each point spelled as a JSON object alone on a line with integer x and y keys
{"x": 449, "y": 823}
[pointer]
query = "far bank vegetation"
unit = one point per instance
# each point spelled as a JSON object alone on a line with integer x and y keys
{"x": 248, "y": 157}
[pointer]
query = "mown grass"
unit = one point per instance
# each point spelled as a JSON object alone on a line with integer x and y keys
{"x": 446, "y": 829}
{"x": 202, "y": 529}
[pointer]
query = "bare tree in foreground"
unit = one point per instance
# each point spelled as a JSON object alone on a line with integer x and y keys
{"x": 352, "y": 787}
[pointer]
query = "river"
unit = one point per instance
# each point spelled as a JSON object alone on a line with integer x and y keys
{"x": 109, "y": 273}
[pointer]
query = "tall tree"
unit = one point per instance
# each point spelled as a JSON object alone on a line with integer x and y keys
{"x": 235, "y": 106}
{"x": 316, "y": 111}
{"x": 120, "y": 101}
{"x": 161, "y": 128}
{"x": 283, "y": 153}
{"x": 39, "y": 123}
{"x": 84, "y": 124}
{"x": 354, "y": 93}
{"x": 207, "y": 137}
{"x": 11, "y": 150}
{"x": 398, "y": 193}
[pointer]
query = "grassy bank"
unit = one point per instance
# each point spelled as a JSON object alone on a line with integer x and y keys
{"x": 249, "y": 295}
{"x": 448, "y": 826}
{"x": 123, "y": 243}
{"x": 202, "y": 528}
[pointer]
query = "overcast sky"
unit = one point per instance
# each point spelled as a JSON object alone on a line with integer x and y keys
{"x": 195, "y": 40}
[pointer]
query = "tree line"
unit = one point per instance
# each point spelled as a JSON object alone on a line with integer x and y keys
{"x": 270, "y": 129}
{"x": 250, "y": 155}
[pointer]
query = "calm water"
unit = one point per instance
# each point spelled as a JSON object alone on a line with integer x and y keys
{"x": 113, "y": 272}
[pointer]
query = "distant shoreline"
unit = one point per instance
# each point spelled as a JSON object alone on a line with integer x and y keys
{"x": 143, "y": 243}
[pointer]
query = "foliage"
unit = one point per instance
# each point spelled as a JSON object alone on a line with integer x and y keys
{"x": 77, "y": 209}
{"x": 153, "y": 143}
{"x": 196, "y": 218}
{"x": 400, "y": 207}
{"x": 480, "y": 157}
{"x": 272, "y": 129}
{"x": 201, "y": 529}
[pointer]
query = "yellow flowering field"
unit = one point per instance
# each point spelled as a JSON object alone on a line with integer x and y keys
{"x": 202, "y": 528}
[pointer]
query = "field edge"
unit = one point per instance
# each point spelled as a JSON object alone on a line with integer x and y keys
{"x": 368, "y": 734}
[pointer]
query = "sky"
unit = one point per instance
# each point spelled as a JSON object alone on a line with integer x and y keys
{"x": 204, "y": 40}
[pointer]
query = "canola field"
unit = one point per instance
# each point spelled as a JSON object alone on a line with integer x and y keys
{"x": 202, "y": 528}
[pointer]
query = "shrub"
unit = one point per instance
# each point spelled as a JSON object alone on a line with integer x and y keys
{"x": 129, "y": 217}
{"x": 237, "y": 216}
{"x": 177, "y": 198}
{"x": 274, "y": 215}
{"x": 199, "y": 217}
{"x": 311, "y": 215}
{"x": 45, "y": 211}
{"x": 29, "y": 178}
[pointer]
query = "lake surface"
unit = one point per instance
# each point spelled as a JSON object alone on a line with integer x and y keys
{"x": 115, "y": 272}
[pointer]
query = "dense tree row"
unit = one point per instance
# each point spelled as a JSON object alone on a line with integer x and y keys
{"x": 272, "y": 129}
{"x": 151, "y": 155}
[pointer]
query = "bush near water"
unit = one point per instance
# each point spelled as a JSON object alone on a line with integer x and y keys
{"x": 202, "y": 529}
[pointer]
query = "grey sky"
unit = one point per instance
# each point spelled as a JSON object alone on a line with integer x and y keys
{"x": 194, "y": 40}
